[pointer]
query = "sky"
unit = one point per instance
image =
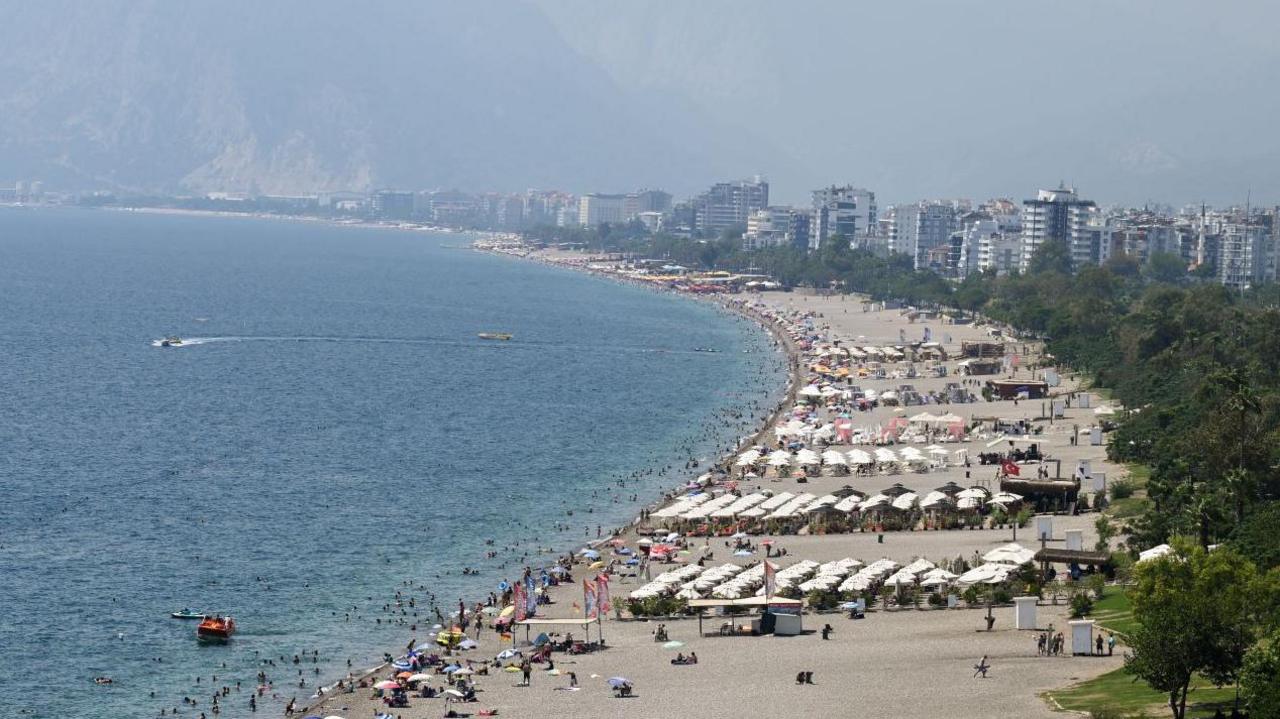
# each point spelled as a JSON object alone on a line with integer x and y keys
{"x": 1131, "y": 102}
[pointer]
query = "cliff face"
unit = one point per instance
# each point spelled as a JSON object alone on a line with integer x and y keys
{"x": 306, "y": 95}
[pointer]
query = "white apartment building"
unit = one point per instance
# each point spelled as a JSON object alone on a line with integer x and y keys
{"x": 596, "y": 209}
{"x": 1055, "y": 215}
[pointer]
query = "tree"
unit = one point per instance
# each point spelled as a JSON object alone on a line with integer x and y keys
{"x": 1106, "y": 531}
{"x": 1260, "y": 678}
{"x": 1166, "y": 267}
{"x": 1195, "y": 614}
{"x": 1052, "y": 256}
{"x": 1256, "y": 537}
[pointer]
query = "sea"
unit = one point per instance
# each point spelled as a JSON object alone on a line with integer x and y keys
{"x": 330, "y": 432}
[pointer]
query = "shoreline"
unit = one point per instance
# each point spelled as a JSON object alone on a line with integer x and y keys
{"x": 789, "y": 388}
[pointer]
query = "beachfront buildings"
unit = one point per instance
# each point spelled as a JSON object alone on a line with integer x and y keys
{"x": 596, "y": 208}
{"x": 777, "y": 227}
{"x": 918, "y": 229}
{"x": 848, "y": 212}
{"x": 728, "y": 204}
{"x": 1056, "y": 215}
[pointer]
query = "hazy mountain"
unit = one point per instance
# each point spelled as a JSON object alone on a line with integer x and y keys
{"x": 303, "y": 95}
{"x": 1169, "y": 100}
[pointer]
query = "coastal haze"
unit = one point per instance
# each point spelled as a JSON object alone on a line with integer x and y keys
{"x": 1167, "y": 101}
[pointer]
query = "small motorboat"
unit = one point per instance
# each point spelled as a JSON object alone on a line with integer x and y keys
{"x": 187, "y": 613}
{"x": 216, "y": 629}
{"x": 502, "y": 336}
{"x": 171, "y": 342}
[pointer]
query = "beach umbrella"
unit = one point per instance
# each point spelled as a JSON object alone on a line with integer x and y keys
{"x": 616, "y": 682}
{"x": 468, "y": 644}
{"x": 334, "y": 716}
{"x": 386, "y": 684}
{"x": 404, "y": 675}
{"x": 673, "y": 644}
{"x": 739, "y": 535}
{"x": 508, "y": 653}
{"x": 454, "y": 693}
{"x": 589, "y": 554}
{"x": 742, "y": 553}
{"x": 420, "y": 678}
{"x": 464, "y": 672}
{"x": 511, "y": 668}
{"x": 595, "y": 565}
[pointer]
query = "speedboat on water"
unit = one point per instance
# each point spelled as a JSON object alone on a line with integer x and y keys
{"x": 171, "y": 342}
{"x": 187, "y": 613}
{"x": 503, "y": 336}
{"x": 216, "y": 629}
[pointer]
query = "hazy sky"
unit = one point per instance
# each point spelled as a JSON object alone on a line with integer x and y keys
{"x": 1167, "y": 100}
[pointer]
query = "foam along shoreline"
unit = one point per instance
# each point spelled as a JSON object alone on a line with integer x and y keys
{"x": 874, "y": 660}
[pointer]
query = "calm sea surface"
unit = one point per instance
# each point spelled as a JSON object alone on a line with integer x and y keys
{"x": 337, "y": 430}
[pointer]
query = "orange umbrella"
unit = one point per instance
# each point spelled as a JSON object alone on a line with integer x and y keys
{"x": 404, "y": 675}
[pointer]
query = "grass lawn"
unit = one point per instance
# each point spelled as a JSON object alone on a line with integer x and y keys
{"x": 1113, "y": 612}
{"x": 1120, "y": 693}
{"x": 1137, "y": 475}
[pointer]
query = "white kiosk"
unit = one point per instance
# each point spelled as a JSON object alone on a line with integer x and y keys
{"x": 1044, "y": 526}
{"x": 1024, "y": 616}
{"x": 1075, "y": 540}
{"x": 1081, "y": 636}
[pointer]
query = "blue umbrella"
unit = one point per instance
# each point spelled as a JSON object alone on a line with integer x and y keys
{"x": 503, "y": 586}
{"x": 616, "y": 682}
{"x": 589, "y": 554}
{"x": 742, "y": 553}
{"x": 452, "y": 668}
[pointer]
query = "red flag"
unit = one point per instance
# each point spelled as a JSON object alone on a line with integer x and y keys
{"x": 1010, "y": 467}
{"x": 770, "y": 579}
{"x": 517, "y": 597}
{"x": 589, "y": 599}
{"x": 602, "y": 593}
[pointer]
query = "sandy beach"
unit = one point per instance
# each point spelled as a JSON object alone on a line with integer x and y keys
{"x": 903, "y": 662}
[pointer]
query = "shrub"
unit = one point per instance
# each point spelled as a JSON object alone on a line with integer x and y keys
{"x": 1081, "y": 605}
{"x": 823, "y": 599}
{"x": 970, "y": 595}
{"x": 656, "y": 606}
{"x": 1121, "y": 489}
{"x": 1002, "y": 596}
{"x": 1097, "y": 584}
{"x": 937, "y": 600}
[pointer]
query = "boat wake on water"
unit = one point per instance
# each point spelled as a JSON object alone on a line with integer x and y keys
{"x": 175, "y": 342}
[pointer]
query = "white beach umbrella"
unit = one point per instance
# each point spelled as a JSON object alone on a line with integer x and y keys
{"x": 831, "y": 456}
{"x": 859, "y": 457}
{"x": 973, "y": 493}
{"x": 779, "y": 459}
{"x": 1011, "y": 553}
{"x": 905, "y": 501}
{"x": 935, "y": 499}
{"x": 1005, "y": 498}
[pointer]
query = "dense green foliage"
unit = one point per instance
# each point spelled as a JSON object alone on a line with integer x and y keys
{"x": 1196, "y": 612}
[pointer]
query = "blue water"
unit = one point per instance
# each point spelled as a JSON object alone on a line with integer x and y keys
{"x": 341, "y": 431}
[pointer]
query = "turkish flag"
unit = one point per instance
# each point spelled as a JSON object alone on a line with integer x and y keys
{"x": 1010, "y": 468}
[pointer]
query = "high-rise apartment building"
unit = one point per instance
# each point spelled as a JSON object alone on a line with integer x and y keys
{"x": 848, "y": 212}
{"x": 596, "y": 209}
{"x": 1056, "y": 215}
{"x": 728, "y": 204}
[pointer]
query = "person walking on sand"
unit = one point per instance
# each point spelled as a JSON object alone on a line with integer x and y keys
{"x": 981, "y": 667}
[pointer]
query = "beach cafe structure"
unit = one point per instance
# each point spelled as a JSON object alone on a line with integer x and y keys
{"x": 583, "y": 622}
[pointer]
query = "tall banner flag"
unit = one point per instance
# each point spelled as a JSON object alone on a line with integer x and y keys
{"x": 770, "y": 579}
{"x": 1010, "y": 467}
{"x": 530, "y": 596}
{"x": 589, "y": 600}
{"x": 602, "y": 593}
{"x": 517, "y": 599}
